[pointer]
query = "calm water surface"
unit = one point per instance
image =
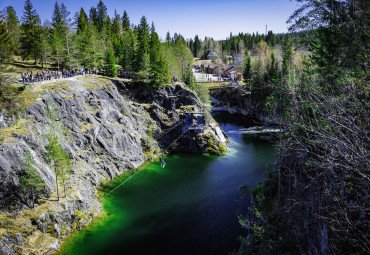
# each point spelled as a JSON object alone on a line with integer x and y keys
{"x": 189, "y": 207}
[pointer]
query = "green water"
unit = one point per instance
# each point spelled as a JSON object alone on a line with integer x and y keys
{"x": 189, "y": 207}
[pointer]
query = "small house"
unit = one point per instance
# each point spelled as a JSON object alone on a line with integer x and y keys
{"x": 212, "y": 55}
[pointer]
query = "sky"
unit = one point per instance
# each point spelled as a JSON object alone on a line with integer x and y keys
{"x": 211, "y": 18}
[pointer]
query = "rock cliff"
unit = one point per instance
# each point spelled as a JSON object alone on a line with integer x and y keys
{"x": 107, "y": 127}
{"x": 237, "y": 100}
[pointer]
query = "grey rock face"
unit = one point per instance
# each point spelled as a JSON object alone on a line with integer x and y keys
{"x": 237, "y": 101}
{"x": 98, "y": 133}
{"x": 104, "y": 133}
{"x": 5, "y": 120}
{"x": 55, "y": 246}
{"x": 6, "y": 249}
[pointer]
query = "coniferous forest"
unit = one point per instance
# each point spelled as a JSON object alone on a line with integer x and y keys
{"x": 312, "y": 82}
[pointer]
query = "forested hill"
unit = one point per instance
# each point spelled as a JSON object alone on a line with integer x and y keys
{"x": 317, "y": 200}
{"x": 239, "y": 45}
{"x": 92, "y": 39}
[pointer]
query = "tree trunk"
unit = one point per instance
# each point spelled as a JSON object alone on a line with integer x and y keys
{"x": 69, "y": 56}
{"x": 65, "y": 194}
{"x": 56, "y": 180}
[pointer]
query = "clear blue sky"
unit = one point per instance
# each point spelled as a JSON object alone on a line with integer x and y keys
{"x": 216, "y": 18}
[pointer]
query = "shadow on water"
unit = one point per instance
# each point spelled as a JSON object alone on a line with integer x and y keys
{"x": 188, "y": 207}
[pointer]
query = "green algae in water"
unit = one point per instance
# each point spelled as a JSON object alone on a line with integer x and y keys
{"x": 188, "y": 207}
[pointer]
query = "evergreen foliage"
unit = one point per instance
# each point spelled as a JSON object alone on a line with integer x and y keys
{"x": 54, "y": 154}
{"x": 110, "y": 68}
{"x": 322, "y": 102}
{"x": 58, "y": 159}
{"x": 142, "y": 51}
{"x": 82, "y": 23}
{"x": 31, "y": 182}
{"x": 247, "y": 71}
{"x": 127, "y": 49}
{"x": 12, "y": 24}
{"x": 125, "y": 22}
{"x": 189, "y": 78}
{"x": 31, "y": 31}
{"x": 5, "y": 40}
{"x": 101, "y": 16}
{"x": 159, "y": 69}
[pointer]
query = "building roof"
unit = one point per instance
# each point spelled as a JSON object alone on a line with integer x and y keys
{"x": 212, "y": 54}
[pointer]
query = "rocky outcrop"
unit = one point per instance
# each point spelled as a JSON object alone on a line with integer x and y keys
{"x": 237, "y": 100}
{"x": 106, "y": 127}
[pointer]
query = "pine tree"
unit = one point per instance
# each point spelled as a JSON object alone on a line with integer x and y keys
{"x": 273, "y": 68}
{"x": 110, "y": 68}
{"x": 101, "y": 11}
{"x": 168, "y": 38}
{"x": 145, "y": 67}
{"x": 82, "y": 23}
{"x": 125, "y": 22}
{"x": 116, "y": 27}
{"x": 31, "y": 182}
{"x": 57, "y": 46}
{"x": 57, "y": 19}
{"x": 127, "y": 51}
{"x": 143, "y": 45}
{"x": 58, "y": 159}
{"x": 96, "y": 48}
{"x": 247, "y": 71}
{"x": 183, "y": 54}
{"x": 55, "y": 155}
{"x": 5, "y": 50}
{"x": 189, "y": 77}
{"x": 197, "y": 46}
{"x": 45, "y": 45}
{"x": 159, "y": 69}
{"x": 108, "y": 30}
{"x": 93, "y": 17}
{"x": 30, "y": 37}
{"x": 82, "y": 39}
{"x": 287, "y": 57}
{"x": 12, "y": 24}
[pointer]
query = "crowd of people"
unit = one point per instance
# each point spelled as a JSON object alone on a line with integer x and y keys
{"x": 47, "y": 75}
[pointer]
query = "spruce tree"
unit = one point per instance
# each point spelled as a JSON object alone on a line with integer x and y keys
{"x": 30, "y": 37}
{"x": 108, "y": 29}
{"x": 110, "y": 68}
{"x": 145, "y": 67}
{"x": 55, "y": 155}
{"x": 45, "y": 45}
{"x": 143, "y": 45}
{"x": 189, "y": 77}
{"x": 57, "y": 19}
{"x": 12, "y": 24}
{"x": 116, "y": 27}
{"x": 247, "y": 71}
{"x": 159, "y": 69}
{"x": 31, "y": 182}
{"x": 168, "y": 38}
{"x": 197, "y": 47}
{"x": 58, "y": 159}
{"x": 83, "y": 39}
{"x": 125, "y": 22}
{"x": 5, "y": 49}
{"x": 287, "y": 57}
{"x": 101, "y": 11}
{"x": 93, "y": 17}
{"x": 82, "y": 23}
{"x": 127, "y": 51}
